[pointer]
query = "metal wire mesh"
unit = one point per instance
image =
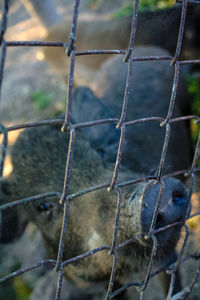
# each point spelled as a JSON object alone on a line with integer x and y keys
{"x": 121, "y": 124}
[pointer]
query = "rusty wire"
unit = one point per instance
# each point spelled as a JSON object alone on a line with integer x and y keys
{"x": 121, "y": 124}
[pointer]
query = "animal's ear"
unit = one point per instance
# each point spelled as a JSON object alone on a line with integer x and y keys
{"x": 87, "y": 107}
{"x": 12, "y": 221}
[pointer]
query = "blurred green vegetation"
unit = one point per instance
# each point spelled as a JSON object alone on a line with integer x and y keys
{"x": 16, "y": 288}
{"x": 154, "y": 4}
{"x": 194, "y": 90}
{"x": 41, "y": 99}
{"x": 193, "y": 84}
{"x": 127, "y": 9}
{"x": 23, "y": 292}
{"x": 127, "y": 6}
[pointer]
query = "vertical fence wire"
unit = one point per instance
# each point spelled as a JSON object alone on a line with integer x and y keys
{"x": 113, "y": 248}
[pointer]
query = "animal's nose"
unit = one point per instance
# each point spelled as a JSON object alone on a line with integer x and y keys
{"x": 179, "y": 197}
{"x": 173, "y": 205}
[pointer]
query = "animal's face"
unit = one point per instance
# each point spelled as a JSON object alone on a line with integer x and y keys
{"x": 173, "y": 207}
{"x": 39, "y": 160}
{"x": 97, "y": 211}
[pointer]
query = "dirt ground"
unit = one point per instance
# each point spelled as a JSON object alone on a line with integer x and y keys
{"x": 26, "y": 72}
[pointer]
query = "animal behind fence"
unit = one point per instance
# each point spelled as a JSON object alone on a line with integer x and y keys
{"x": 103, "y": 192}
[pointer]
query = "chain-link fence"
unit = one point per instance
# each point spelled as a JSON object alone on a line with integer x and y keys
{"x": 121, "y": 124}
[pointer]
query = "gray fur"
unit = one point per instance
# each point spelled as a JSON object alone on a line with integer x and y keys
{"x": 150, "y": 93}
{"x": 156, "y": 28}
{"x": 39, "y": 158}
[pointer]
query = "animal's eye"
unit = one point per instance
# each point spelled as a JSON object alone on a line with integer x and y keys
{"x": 100, "y": 152}
{"x": 45, "y": 206}
{"x": 179, "y": 198}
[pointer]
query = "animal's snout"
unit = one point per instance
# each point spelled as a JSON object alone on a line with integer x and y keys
{"x": 179, "y": 197}
{"x": 173, "y": 207}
